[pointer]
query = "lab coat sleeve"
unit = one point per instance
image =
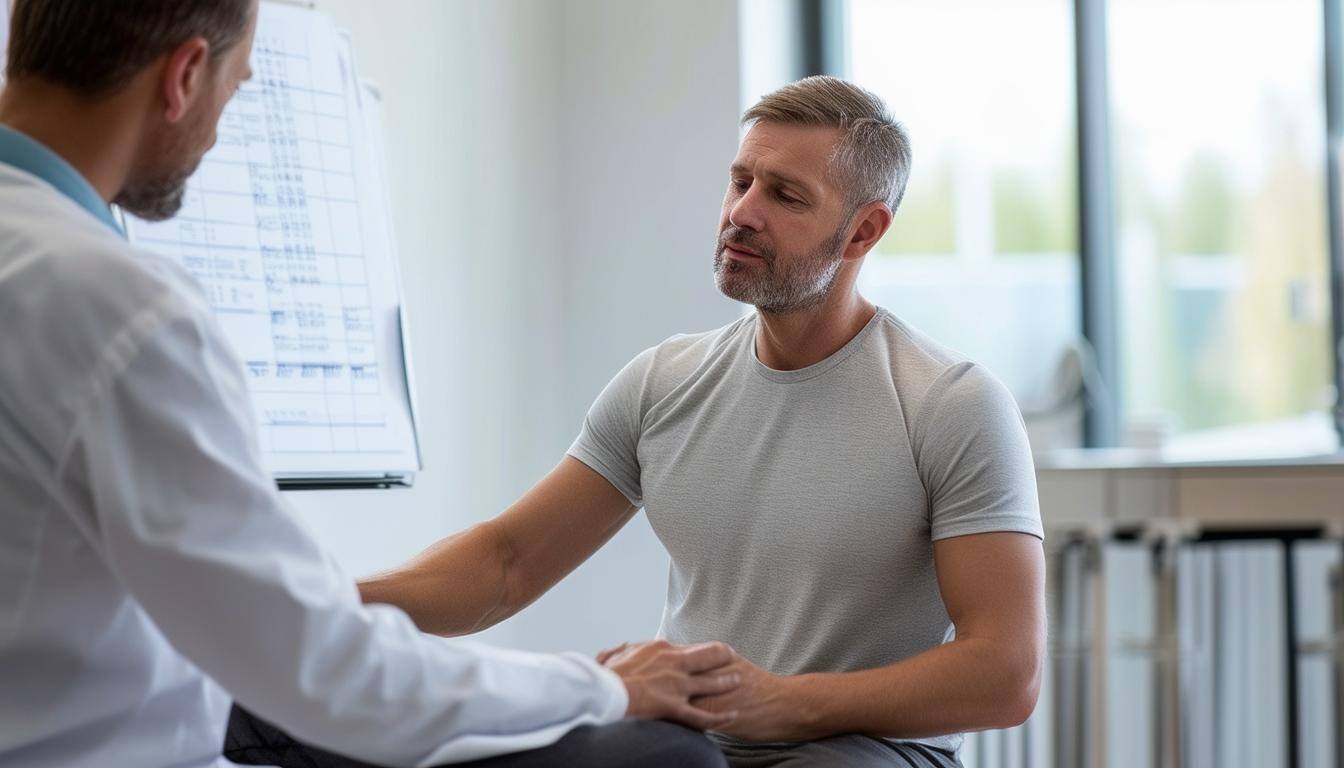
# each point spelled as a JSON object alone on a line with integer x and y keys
{"x": 184, "y": 513}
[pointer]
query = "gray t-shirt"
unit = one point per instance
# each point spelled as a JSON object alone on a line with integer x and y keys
{"x": 800, "y": 507}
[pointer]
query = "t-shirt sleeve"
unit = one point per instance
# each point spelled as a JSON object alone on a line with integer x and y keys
{"x": 974, "y": 458}
{"x": 609, "y": 440}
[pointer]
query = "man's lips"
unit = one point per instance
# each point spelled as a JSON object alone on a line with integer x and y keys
{"x": 739, "y": 252}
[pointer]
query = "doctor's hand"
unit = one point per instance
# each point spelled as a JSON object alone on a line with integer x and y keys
{"x": 662, "y": 678}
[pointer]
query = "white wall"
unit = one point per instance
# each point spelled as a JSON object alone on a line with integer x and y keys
{"x": 471, "y": 139}
{"x": 771, "y": 44}
{"x": 556, "y": 169}
{"x": 649, "y": 130}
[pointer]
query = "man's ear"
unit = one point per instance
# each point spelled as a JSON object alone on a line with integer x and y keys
{"x": 871, "y": 222}
{"x": 185, "y": 75}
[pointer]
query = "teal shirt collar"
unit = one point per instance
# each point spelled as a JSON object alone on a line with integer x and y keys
{"x": 21, "y": 152}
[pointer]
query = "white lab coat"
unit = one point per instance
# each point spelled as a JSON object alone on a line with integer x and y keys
{"x": 147, "y": 564}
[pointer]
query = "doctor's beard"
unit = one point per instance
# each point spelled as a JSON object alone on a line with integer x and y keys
{"x": 156, "y": 189}
{"x": 156, "y": 199}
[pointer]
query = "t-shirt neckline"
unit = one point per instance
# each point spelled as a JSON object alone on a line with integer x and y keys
{"x": 819, "y": 368}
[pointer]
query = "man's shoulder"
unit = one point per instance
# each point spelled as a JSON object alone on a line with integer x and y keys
{"x": 662, "y": 368}
{"x": 911, "y": 346}
{"x": 685, "y": 353}
{"x": 77, "y": 286}
{"x": 918, "y": 364}
{"x": 50, "y": 245}
{"x": 933, "y": 378}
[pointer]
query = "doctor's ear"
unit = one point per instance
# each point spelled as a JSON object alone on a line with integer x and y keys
{"x": 186, "y": 75}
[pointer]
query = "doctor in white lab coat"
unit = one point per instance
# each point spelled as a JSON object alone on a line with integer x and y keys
{"x": 149, "y": 571}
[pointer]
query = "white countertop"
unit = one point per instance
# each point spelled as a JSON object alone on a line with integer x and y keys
{"x": 1143, "y": 459}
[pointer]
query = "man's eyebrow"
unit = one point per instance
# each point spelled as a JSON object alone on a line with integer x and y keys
{"x": 781, "y": 177}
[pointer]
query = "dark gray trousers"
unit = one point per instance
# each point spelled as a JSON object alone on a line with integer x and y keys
{"x": 627, "y": 744}
{"x": 851, "y": 751}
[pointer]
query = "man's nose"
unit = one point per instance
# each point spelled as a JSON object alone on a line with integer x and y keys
{"x": 746, "y": 213}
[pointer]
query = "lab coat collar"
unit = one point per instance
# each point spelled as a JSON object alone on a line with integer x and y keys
{"x": 26, "y": 154}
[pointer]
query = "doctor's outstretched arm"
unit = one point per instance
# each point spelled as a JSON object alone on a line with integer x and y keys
{"x": 173, "y": 494}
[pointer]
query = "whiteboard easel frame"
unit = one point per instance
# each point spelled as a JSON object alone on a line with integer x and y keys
{"x": 360, "y": 479}
{"x": 344, "y": 481}
{"x": 338, "y": 481}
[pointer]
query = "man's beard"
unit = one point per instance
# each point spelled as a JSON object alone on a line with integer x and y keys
{"x": 805, "y": 283}
{"x": 156, "y": 191}
{"x": 156, "y": 199}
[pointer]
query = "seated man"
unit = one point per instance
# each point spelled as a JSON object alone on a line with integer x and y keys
{"x": 847, "y": 503}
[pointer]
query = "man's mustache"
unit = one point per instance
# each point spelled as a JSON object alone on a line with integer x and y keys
{"x": 749, "y": 241}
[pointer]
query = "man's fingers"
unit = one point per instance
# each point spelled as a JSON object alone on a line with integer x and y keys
{"x": 702, "y": 720}
{"x": 707, "y": 656}
{"x": 713, "y": 683}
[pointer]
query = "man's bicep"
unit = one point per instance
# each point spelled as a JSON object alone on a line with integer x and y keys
{"x": 584, "y": 501}
{"x": 609, "y": 439}
{"x": 975, "y": 459}
{"x": 561, "y": 522}
{"x": 993, "y": 585}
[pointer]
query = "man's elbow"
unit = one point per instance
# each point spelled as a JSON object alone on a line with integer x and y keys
{"x": 1019, "y": 698}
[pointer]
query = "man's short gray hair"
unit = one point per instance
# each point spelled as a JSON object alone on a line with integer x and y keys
{"x": 871, "y": 160}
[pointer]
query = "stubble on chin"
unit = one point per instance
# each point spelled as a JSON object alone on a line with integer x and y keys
{"x": 153, "y": 202}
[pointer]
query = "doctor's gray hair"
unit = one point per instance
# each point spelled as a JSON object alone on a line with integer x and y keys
{"x": 95, "y": 47}
{"x": 871, "y": 160}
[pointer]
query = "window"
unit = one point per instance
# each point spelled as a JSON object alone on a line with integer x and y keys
{"x": 983, "y": 253}
{"x": 4, "y": 36}
{"x": 1219, "y": 238}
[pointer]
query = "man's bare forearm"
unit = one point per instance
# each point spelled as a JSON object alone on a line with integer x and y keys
{"x": 456, "y": 587}
{"x": 967, "y": 685}
{"x": 993, "y": 585}
{"x": 490, "y": 571}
